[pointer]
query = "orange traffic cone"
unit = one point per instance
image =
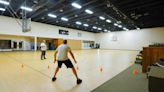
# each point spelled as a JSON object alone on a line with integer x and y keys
{"x": 48, "y": 66}
{"x": 22, "y": 66}
{"x": 135, "y": 72}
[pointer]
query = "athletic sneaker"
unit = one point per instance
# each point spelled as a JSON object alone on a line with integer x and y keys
{"x": 54, "y": 78}
{"x": 79, "y": 81}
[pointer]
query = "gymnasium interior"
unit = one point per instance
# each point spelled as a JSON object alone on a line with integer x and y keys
{"x": 118, "y": 45}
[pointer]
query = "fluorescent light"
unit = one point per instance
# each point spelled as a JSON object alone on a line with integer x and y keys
{"x": 52, "y": 15}
{"x": 94, "y": 27}
{"x": 26, "y": 8}
{"x": 86, "y": 25}
{"x": 101, "y": 17}
{"x": 99, "y": 28}
{"x": 109, "y": 21}
{"x": 124, "y": 28}
{"x": 64, "y": 19}
{"x": 78, "y": 23}
{"x": 88, "y": 11}
{"x": 76, "y": 5}
{"x": 138, "y": 28}
{"x": 105, "y": 30}
{"x": 4, "y": 2}
{"x": 120, "y": 26}
{"x": 2, "y": 9}
{"x": 115, "y": 24}
{"x": 127, "y": 29}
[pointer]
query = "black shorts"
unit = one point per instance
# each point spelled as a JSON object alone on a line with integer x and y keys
{"x": 68, "y": 63}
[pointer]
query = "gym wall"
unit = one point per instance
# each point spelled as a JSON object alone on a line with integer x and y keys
{"x": 130, "y": 40}
{"x": 74, "y": 44}
{"x": 26, "y": 42}
{"x": 10, "y": 26}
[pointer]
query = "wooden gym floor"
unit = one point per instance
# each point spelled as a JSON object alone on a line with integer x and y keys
{"x": 25, "y": 72}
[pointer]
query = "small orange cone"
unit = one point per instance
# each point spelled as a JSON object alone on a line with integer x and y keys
{"x": 22, "y": 66}
{"x": 135, "y": 72}
{"x": 48, "y": 66}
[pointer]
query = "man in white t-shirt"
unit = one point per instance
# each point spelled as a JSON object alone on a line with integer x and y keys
{"x": 61, "y": 56}
{"x": 43, "y": 48}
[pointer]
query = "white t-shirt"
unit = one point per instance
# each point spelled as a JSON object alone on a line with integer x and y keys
{"x": 63, "y": 50}
{"x": 43, "y": 46}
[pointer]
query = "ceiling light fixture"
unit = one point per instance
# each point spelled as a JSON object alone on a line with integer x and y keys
{"x": 86, "y": 25}
{"x": 61, "y": 10}
{"x": 4, "y": 2}
{"x": 120, "y": 26}
{"x": 64, "y": 19}
{"x": 109, "y": 21}
{"x": 105, "y": 30}
{"x": 94, "y": 27}
{"x": 76, "y": 5}
{"x": 88, "y": 11}
{"x": 26, "y": 8}
{"x": 101, "y": 17}
{"x": 115, "y": 24}
{"x": 78, "y": 23}
{"x": 127, "y": 29}
{"x": 138, "y": 28}
{"x": 52, "y": 15}
{"x": 124, "y": 28}
{"x": 99, "y": 28}
{"x": 2, "y": 9}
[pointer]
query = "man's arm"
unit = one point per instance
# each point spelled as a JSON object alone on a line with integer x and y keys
{"x": 55, "y": 55}
{"x": 72, "y": 56}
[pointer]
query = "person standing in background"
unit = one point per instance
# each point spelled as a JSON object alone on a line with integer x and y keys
{"x": 43, "y": 48}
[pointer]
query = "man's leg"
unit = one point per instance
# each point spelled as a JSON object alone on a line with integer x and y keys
{"x": 56, "y": 71}
{"x": 41, "y": 55}
{"x": 44, "y": 54}
{"x": 75, "y": 73}
{"x": 69, "y": 64}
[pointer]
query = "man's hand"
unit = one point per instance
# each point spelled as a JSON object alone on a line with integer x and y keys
{"x": 75, "y": 61}
{"x": 72, "y": 56}
{"x": 55, "y": 56}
